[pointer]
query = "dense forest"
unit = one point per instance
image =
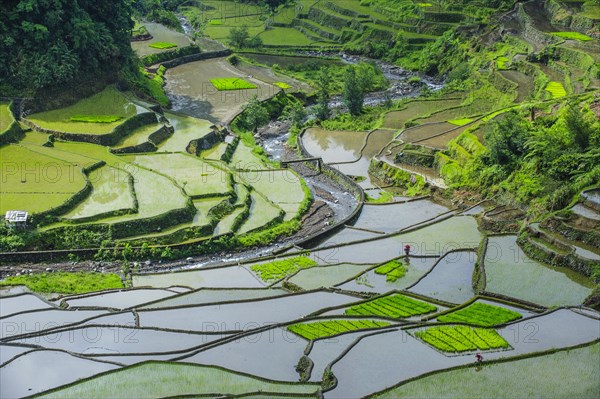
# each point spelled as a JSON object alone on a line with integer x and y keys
{"x": 48, "y": 43}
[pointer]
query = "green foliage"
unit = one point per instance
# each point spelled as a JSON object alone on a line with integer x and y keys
{"x": 328, "y": 328}
{"x": 278, "y": 269}
{"x": 51, "y": 43}
{"x": 462, "y": 338}
{"x": 395, "y": 306}
{"x": 239, "y": 37}
{"x": 322, "y": 111}
{"x": 393, "y": 270}
{"x": 481, "y": 314}
{"x": 353, "y": 95}
{"x": 506, "y": 140}
{"x": 255, "y": 114}
{"x": 66, "y": 283}
{"x": 162, "y": 45}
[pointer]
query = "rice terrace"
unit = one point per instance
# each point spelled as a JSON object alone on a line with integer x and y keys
{"x": 300, "y": 199}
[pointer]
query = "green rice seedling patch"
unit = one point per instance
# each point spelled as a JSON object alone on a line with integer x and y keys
{"x": 282, "y": 85}
{"x": 462, "y": 338}
{"x": 223, "y": 84}
{"x": 533, "y": 377}
{"x": 424, "y": 4}
{"x": 501, "y": 63}
{"x": 395, "y": 306}
{"x": 461, "y": 121}
{"x": 35, "y": 182}
{"x": 96, "y": 118}
{"x": 108, "y": 102}
{"x": 262, "y": 212}
{"x": 111, "y": 192}
{"x": 573, "y": 36}
{"x": 162, "y": 379}
{"x": 162, "y": 45}
{"x": 393, "y": 270}
{"x": 278, "y": 269}
{"x": 66, "y": 283}
{"x": 197, "y": 177}
{"x": 481, "y": 314}
{"x": 328, "y": 328}
{"x": 215, "y": 22}
{"x": 6, "y": 117}
{"x": 556, "y": 89}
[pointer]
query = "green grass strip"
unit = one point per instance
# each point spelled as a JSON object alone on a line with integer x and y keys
{"x": 95, "y": 118}
{"x": 66, "y": 283}
{"x": 460, "y": 122}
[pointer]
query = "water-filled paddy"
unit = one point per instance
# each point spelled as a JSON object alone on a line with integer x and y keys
{"x": 416, "y": 109}
{"x": 107, "y": 102}
{"x": 116, "y": 340}
{"x": 111, "y": 192}
{"x": 179, "y": 379}
{"x": 243, "y": 315}
{"x": 227, "y": 277}
{"x": 191, "y": 92}
{"x": 41, "y": 370}
{"x": 529, "y": 378}
{"x": 395, "y": 217}
{"x": 334, "y": 145}
{"x": 160, "y": 33}
{"x": 451, "y": 279}
{"x": 117, "y": 299}
{"x": 187, "y": 129}
{"x": 434, "y": 240}
{"x": 510, "y": 272}
{"x": 204, "y": 296}
{"x": 271, "y": 354}
{"x": 326, "y": 276}
{"x": 374, "y": 282}
{"x": 20, "y": 303}
{"x": 29, "y": 322}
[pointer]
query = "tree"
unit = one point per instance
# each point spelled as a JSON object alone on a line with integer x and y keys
{"x": 354, "y": 91}
{"x": 295, "y": 113}
{"x": 580, "y": 128}
{"x": 255, "y": 115}
{"x": 506, "y": 140}
{"x": 323, "y": 94}
{"x": 238, "y": 36}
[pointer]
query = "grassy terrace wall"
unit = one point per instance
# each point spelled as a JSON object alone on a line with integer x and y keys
{"x": 14, "y": 132}
{"x": 108, "y": 139}
{"x": 155, "y": 138}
